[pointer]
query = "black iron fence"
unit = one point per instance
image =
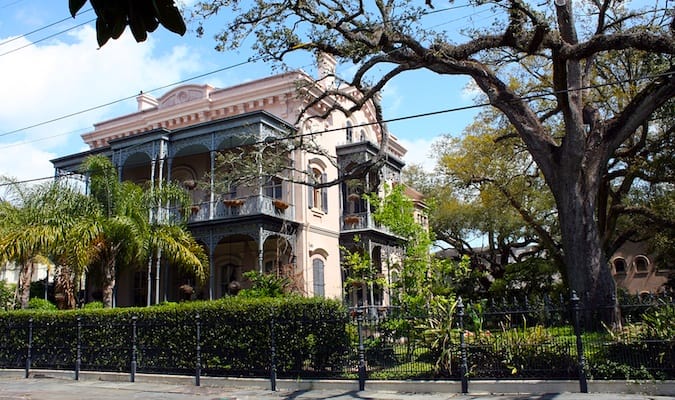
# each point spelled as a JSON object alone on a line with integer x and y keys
{"x": 541, "y": 339}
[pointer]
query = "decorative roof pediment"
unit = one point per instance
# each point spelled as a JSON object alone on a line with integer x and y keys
{"x": 184, "y": 94}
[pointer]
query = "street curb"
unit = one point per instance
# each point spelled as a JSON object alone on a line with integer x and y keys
{"x": 654, "y": 388}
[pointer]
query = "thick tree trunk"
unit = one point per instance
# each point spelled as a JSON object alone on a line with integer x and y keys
{"x": 588, "y": 273}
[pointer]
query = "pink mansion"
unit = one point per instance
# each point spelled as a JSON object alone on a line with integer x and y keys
{"x": 277, "y": 225}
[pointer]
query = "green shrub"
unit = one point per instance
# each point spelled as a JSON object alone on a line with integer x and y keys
{"x": 235, "y": 337}
{"x": 265, "y": 285}
{"x": 6, "y": 295}
{"x": 93, "y": 305}
{"x": 658, "y": 322}
{"x": 37, "y": 303}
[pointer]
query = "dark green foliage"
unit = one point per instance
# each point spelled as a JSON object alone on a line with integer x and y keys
{"x": 531, "y": 277}
{"x": 6, "y": 295}
{"x": 309, "y": 336}
{"x": 142, "y": 16}
{"x": 659, "y": 323}
{"x": 265, "y": 285}
{"x": 315, "y": 338}
{"x": 634, "y": 360}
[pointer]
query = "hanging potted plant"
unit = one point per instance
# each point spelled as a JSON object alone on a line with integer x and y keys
{"x": 352, "y": 219}
{"x": 280, "y": 204}
{"x": 233, "y": 202}
{"x": 353, "y": 197}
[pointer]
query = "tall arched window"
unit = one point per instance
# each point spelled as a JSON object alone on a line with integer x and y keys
{"x": 318, "y": 278}
{"x": 350, "y": 132}
{"x": 318, "y": 196}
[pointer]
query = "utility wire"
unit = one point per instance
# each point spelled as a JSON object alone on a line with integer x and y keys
{"x": 42, "y": 28}
{"x": 46, "y": 37}
{"x": 253, "y": 59}
{"x": 524, "y": 98}
{"x": 13, "y": 3}
{"x": 250, "y": 60}
{"x": 397, "y": 119}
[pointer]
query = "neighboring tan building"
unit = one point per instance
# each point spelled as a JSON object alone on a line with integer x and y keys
{"x": 636, "y": 271}
{"x": 276, "y": 226}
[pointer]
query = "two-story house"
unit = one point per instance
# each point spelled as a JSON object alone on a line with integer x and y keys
{"x": 282, "y": 223}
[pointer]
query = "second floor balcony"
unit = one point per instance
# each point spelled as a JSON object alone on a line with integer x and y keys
{"x": 361, "y": 221}
{"x": 240, "y": 207}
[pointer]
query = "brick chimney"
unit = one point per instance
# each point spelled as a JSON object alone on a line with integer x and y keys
{"x": 145, "y": 101}
{"x": 326, "y": 69}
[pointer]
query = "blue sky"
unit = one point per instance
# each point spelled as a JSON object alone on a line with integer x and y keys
{"x": 66, "y": 74}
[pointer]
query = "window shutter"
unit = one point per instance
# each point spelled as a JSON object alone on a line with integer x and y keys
{"x": 310, "y": 187}
{"x": 318, "y": 278}
{"x": 324, "y": 194}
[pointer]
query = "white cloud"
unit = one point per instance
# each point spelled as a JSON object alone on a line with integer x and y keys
{"x": 392, "y": 99}
{"x": 25, "y": 162}
{"x": 47, "y": 81}
{"x": 419, "y": 152}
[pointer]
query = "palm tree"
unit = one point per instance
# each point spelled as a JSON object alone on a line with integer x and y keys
{"x": 127, "y": 234}
{"x": 168, "y": 236}
{"x": 36, "y": 221}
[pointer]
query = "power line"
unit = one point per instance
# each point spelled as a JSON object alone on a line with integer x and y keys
{"x": 596, "y": 86}
{"x": 397, "y": 119}
{"x": 298, "y": 136}
{"x": 46, "y": 37}
{"x": 13, "y": 3}
{"x": 244, "y": 63}
{"x": 250, "y": 60}
{"x": 42, "y": 28}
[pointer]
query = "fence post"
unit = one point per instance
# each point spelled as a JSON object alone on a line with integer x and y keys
{"x": 273, "y": 357}
{"x": 132, "y": 378}
{"x": 583, "y": 384}
{"x": 198, "y": 370}
{"x": 30, "y": 346}
{"x": 463, "y": 368}
{"x": 78, "y": 349}
{"x": 362, "y": 350}
{"x": 547, "y": 310}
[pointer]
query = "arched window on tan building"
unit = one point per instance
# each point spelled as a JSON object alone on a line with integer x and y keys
{"x": 641, "y": 264}
{"x": 619, "y": 264}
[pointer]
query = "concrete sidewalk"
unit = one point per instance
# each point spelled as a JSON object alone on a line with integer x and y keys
{"x": 51, "y": 386}
{"x": 60, "y": 389}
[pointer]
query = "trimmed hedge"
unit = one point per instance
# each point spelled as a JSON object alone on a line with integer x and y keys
{"x": 236, "y": 337}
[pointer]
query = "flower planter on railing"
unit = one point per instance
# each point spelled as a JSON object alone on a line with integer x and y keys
{"x": 280, "y": 204}
{"x": 233, "y": 202}
{"x": 352, "y": 220}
